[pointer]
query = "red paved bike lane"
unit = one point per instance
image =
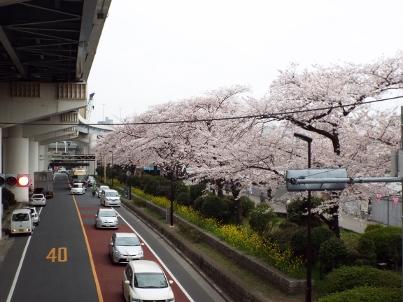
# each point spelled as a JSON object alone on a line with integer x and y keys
{"x": 110, "y": 275}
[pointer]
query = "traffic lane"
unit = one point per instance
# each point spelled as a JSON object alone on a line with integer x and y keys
{"x": 110, "y": 275}
{"x": 56, "y": 266}
{"x": 10, "y": 264}
{"x": 189, "y": 277}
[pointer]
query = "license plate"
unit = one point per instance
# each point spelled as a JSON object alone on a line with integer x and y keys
{"x": 20, "y": 230}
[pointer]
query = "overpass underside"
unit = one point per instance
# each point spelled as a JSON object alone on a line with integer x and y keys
{"x": 46, "y": 52}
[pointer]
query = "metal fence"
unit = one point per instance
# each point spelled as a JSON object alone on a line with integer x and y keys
{"x": 387, "y": 212}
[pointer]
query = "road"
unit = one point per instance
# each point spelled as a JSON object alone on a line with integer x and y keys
{"x": 66, "y": 259}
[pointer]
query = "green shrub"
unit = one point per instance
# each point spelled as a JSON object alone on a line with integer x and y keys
{"x": 297, "y": 209}
{"x": 285, "y": 225}
{"x": 299, "y": 241}
{"x": 151, "y": 186}
{"x": 283, "y": 237}
{"x": 367, "y": 251}
{"x": 319, "y": 235}
{"x": 216, "y": 207}
{"x": 247, "y": 205}
{"x": 134, "y": 181}
{"x": 332, "y": 254}
{"x": 365, "y": 294}
{"x": 387, "y": 241}
{"x": 196, "y": 191}
{"x": 183, "y": 198}
{"x": 262, "y": 218}
{"x": 348, "y": 277}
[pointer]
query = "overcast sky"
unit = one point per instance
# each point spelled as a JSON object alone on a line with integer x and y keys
{"x": 154, "y": 51}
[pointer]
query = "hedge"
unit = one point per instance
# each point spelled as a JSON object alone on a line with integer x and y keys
{"x": 365, "y": 294}
{"x": 388, "y": 244}
{"x": 348, "y": 277}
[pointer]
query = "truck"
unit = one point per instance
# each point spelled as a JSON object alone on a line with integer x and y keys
{"x": 78, "y": 175}
{"x": 43, "y": 183}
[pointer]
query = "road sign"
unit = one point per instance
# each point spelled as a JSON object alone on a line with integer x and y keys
{"x": 315, "y": 174}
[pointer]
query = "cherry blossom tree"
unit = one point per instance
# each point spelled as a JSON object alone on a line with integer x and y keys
{"x": 259, "y": 147}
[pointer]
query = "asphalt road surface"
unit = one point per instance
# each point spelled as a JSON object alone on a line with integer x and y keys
{"x": 66, "y": 259}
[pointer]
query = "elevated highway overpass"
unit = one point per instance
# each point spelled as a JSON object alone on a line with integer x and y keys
{"x": 46, "y": 52}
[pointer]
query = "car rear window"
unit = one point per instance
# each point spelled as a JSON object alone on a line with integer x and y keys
{"x": 107, "y": 214}
{"x": 127, "y": 241}
{"x": 37, "y": 196}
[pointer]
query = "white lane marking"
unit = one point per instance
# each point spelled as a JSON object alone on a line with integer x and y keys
{"x": 158, "y": 258}
{"x": 11, "y": 292}
{"x": 17, "y": 273}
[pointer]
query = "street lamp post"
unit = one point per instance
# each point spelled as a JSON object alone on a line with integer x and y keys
{"x": 308, "y": 290}
{"x": 111, "y": 168}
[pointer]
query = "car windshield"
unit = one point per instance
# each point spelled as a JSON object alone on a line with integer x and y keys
{"x": 127, "y": 241}
{"x": 37, "y": 196}
{"x": 20, "y": 217}
{"x": 77, "y": 185}
{"x": 150, "y": 280}
{"x": 111, "y": 194}
{"x": 103, "y": 188}
{"x": 107, "y": 214}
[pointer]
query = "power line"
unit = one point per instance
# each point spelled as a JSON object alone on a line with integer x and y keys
{"x": 253, "y": 116}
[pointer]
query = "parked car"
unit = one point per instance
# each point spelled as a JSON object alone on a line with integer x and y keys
{"x": 34, "y": 215}
{"x": 144, "y": 280}
{"x": 110, "y": 198}
{"x": 21, "y": 222}
{"x": 77, "y": 188}
{"x": 106, "y": 218}
{"x": 37, "y": 200}
{"x": 125, "y": 247}
{"x": 100, "y": 189}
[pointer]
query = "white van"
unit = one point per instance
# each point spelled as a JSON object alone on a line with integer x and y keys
{"x": 21, "y": 222}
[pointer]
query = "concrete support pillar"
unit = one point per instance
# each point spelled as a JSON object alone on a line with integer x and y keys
{"x": 43, "y": 158}
{"x": 91, "y": 150}
{"x": 17, "y": 159}
{"x": 33, "y": 159}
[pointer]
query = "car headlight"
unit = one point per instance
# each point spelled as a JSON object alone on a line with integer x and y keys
{"x": 116, "y": 252}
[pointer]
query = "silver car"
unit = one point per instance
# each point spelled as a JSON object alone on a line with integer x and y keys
{"x": 34, "y": 215}
{"x": 37, "y": 200}
{"x": 125, "y": 247}
{"x": 110, "y": 198}
{"x": 106, "y": 218}
{"x": 100, "y": 189}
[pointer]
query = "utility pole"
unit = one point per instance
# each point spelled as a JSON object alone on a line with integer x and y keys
{"x": 308, "y": 290}
{"x": 400, "y": 174}
{"x": 1, "y": 189}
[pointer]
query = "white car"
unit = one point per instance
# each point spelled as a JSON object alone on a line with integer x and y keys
{"x": 144, "y": 280}
{"x": 77, "y": 188}
{"x": 110, "y": 198}
{"x": 37, "y": 200}
{"x": 125, "y": 247}
{"x": 21, "y": 222}
{"x": 106, "y": 218}
{"x": 34, "y": 215}
{"x": 100, "y": 189}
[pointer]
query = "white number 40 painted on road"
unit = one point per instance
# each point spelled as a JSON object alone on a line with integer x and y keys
{"x": 57, "y": 254}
